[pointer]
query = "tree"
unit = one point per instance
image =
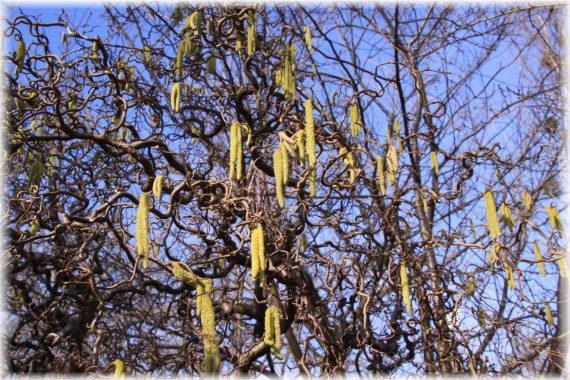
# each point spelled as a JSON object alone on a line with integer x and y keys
{"x": 376, "y": 189}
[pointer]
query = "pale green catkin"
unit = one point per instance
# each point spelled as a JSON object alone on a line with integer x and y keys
{"x": 311, "y": 145}
{"x": 492, "y": 217}
{"x": 142, "y": 228}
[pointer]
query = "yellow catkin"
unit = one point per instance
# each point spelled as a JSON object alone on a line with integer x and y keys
{"x": 251, "y": 39}
{"x": 254, "y": 247}
{"x": 434, "y": 164}
{"x": 554, "y": 217}
{"x": 354, "y": 120}
{"x": 510, "y": 277}
{"x": 269, "y": 336}
{"x": 157, "y": 187}
{"x": 311, "y": 145}
{"x": 549, "y": 318}
{"x": 142, "y": 228}
{"x": 119, "y": 369}
{"x": 207, "y": 317}
{"x": 527, "y": 200}
{"x": 239, "y": 152}
{"x": 308, "y": 38}
{"x": 392, "y": 164}
{"x": 405, "y": 287}
{"x": 179, "y": 61}
{"x": 272, "y": 336}
{"x": 381, "y": 178}
{"x": 175, "y": 97}
{"x": 276, "y": 327}
{"x": 205, "y": 311}
{"x": 538, "y": 257}
{"x": 278, "y": 169}
{"x": 234, "y": 129}
{"x": 286, "y": 164}
{"x": 492, "y": 217}
{"x": 507, "y": 216}
{"x": 562, "y": 263}
{"x": 261, "y": 253}
{"x": 181, "y": 274}
{"x": 20, "y": 55}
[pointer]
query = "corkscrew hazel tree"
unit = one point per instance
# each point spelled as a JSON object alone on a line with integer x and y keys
{"x": 107, "y": 115}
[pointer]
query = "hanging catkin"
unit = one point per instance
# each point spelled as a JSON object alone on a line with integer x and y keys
{"x": 278, "y": 169}
{"x": 538, "y": 257}
{"x": 434, "y": 164}
{"x": 257, "y": 246}
{"x": 142, "y": 228}
{"x": 527, "y": 200}
{"x": 405, "y": 287}
{"x": 381, "y": 178}
{"x": 251, "y": 38}
{"x": 286, "y": 163}
{"x": 554, "y": 217}
{"x": 311, "y": 145}
{"x": 308, "y": 38}
{"x": 157, "y": 187}
{"x": 548, "y": 313}
{"x": 20, "y": 55}
{"x": 205, "y": 311}
{"x": 272, "y": 336}
{"x": 507, "y": 216}
{"x": 175, "y": 97}
{"x": 392, "y": 164}
{"x": 492, "y": 217}
{"x": 236, "y": 150}
{"x": 354, "y": 120}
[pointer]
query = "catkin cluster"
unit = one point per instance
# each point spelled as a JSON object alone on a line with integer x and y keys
{"x": 492, "y": 217}
{"x": 405, "y": 287}
{"x": 510, "y": 277}
{"x": 119, "y": 369}
{"x": 258, "y": 254}
{"x": 301, "y": 141}
{"x": 355, "y": 124}
{"x": 205, "y": 311}
{"x": 175, "y": 97}
{"x": 527, "y": 200}
{"x": 349, "y": 161}
{"x": 236, "y": 151}
{"x": 190, "y": 45}
{"x": 554, "y": 217}
{"x": 538, "y": 256}
{"x": 142, "y": 228}
{"x": 311, "y": 145}
{"x": 507, "y": 216}
{"x": 381, "y": 177}
{"x": 272, "y": 336}
{"x": 284, "y": 77}
{"x": 392, "y": 164}
{"x": 157, "y": 187}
